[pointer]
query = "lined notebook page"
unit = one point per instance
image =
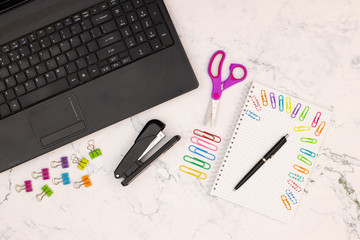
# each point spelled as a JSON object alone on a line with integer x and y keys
{"x": 276, "y": 188}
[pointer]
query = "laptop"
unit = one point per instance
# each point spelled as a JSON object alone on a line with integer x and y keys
{"x": 70, "y": 68}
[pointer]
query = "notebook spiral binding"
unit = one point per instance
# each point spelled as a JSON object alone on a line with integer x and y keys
{"x": 236, "y": 128}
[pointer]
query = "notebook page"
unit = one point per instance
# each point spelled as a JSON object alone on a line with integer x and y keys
{"x": 275, "y": 189}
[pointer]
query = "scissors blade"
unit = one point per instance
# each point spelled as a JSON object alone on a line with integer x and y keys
{"x": 215, "y": 104}
{"x": 208, "y": 113}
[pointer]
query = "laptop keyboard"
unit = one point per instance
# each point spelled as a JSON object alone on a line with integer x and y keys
{"x": 78, "y": 49}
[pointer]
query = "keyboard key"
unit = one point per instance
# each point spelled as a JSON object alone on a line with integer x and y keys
{"x": 108, "y": 27}
{"x": 23, "y": 41}
{"x": 117, "y": 11}
{"x": 113, "y": 2}
{"x": 131, "y": 17}
{"x": 9, "y": 94}
{"x": 30, "y": 85}
{"x": 2, "y": 99}
{"x": 92, "y": 46}
{"x": 30, "y": 73}
{"x": 103, "y": 6}
{"x": 14, "y": 45}
{"x": 140, "y": 37}
{"x": 94, "y": 71}
{"x": 68, "y": 21}
{"x": 73, "y": 80}
{"x": 19, "y": 90}
{"x": 105, "y": 69}
{"x": 4, "y": 73}
{"x": 91, "y": 59}
{"x": 4, "y": 60}
{"x": 146, "y": 23}
{"x": 94, "y": 10}
{"x": 151, "y": 33}
{"x": 44, "y": 55}
{"x": 86, "y": 24}
{"x": 121, "y": 21}
{"x": 45, "y": 42}
{"x": 54, "y": 51}
{"x": 24, "y": 51}
{"x": 50, "y": 76}
{"x": 55, "y": 38}
{"x": 41, "y": 68}
{"x": 137, "y": 3}
{"x": 142, "y": 12}
{"x": 130, "y": 42}
{"x": 136, "y": 27}
{"x": 85, "y": 14}
{"x": 41, "y": 33}
{"x": 82, "y": 51}
{"x": 4, "y": 110}
{"x": 34, "y": 47}
{"x": 155, "y": 44}
{"x": 61, "y": 59}
{"x": 2, "y": 86}
{"x": 116, "y": 65}
{"x": 126, "y": 32}
{"x": 75, "y": 42}
{"x": 111, "y": 50}
{"x": 5, "y": 49}
{"x": 101, "y": 18}
{"x": 76, "y": 29}
{"x": 155, "y": 13}
{"x": 13, "y": 68}
{"x": 10, "y": 82}
{"x": 65, "y": 46}
{"x": 96, "y": 32}
{"x": 127, "y": 7}
{"x": 14, "y": 55}
{"x": 40, "y": 81}
{"x": 84, "y": 75}
{"x": 20, "y": 77}
{"x": 140, "y": 51}
{"x": 81, "y": 63}
{"x": 51, "y": 64}
{"x": 85, "y": 37}
{"x": 164, "y": 35}
{"x": 71, "y": 68}
{"x": 71, "y": 55}
{"x": 14, "y": 105}
{"x": 60, "y": 72}
{"x": 77, "y": 18}
{"x": 34, "y": 59}
{"x": 24, "y": 64}
{"x": 113, "y": 59}
{"x": 59, "y": 26}
{"x": 43, "y": 93}
{"x": 109, "y": 39}
{"x": 65, "y": 33}
{"x": 50, "y": 29}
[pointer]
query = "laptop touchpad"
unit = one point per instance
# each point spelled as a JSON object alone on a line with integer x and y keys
{"x": 57, "y": 120}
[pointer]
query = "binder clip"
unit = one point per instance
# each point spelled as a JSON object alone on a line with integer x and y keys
{"x": 65, "y": 179}
{"x": 131, "y": 165}
{"x": 64, "y": 163}
{"x": 44, "y": 174}
{"x": 27, "y": 187}
{"x": 81, "y": 163}
{"x": 46, "y": 191}
{"x": 94, "y": 152}
{"x": 85, "y": 181}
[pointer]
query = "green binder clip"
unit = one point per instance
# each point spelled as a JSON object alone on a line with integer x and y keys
{"x": 197, "y": 162}
{"x": 46, "y": 191}
{"x": 94, "y": 152}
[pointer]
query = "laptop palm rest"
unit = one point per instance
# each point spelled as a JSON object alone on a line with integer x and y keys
{"x": 57, "y": 120}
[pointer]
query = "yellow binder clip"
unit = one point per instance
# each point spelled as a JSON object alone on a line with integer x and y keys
{"x": 82, "y": 163}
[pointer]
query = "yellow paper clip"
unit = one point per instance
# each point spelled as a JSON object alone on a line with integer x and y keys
{"x": 264, "y": 98}
{"x": 301, "y": 169}
{"x": 193, "y": 172}
{"x": 288, "y": 105}
{"x": 304, "y": 159}
{"x": 308, "y": 140}
{"x": 81, "y": 163}
{"x": 286, "y": 202}
{"x": 302, "y": 128}
{"x": 320, "y": 128}
{"x": 294, "y": 185}
{"x": 304, "y": 113}
{"x": 316, "y": 119}
{"x": 85, "y": 181}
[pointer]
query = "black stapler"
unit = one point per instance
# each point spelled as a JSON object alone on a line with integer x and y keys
{"x": 131, "y": 165}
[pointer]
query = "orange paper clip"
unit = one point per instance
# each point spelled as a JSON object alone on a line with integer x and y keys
{"x": 294, "y": 185}
{"x": 204, "y": 143}
{"x": 301, "y": 169}
{"x": 320, "y": 128}
{"x": 256, "y": 103}
{"x": 207, "y": 135}
{"x": 264, "y": 98}
{"x": 316, "y": 119}
{"x": 286, "y": 202}
{"x": 193, "y": 172}
{"x": 304, "y": 159}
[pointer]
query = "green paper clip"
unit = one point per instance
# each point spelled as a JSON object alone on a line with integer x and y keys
{"x": 304, "y": 159}
{"x": 197, "y": 162}
{"x": 81, "y": 163}
{"x": 304, "y": 113}
{"x": 94, "y": 152}
{"x": 46, "y": 191}
{"x": 308, "y": 140}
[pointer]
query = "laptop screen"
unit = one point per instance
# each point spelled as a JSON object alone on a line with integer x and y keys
{"x": 8, "y": 4}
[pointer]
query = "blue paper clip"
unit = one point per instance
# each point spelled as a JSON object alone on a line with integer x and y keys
{"x": 205, "y": 154}
{"x": 308, "y": 152}
{"x": 273, "y": 100}
{"x": 304, "y": 113}
{"x": 296, "y": 110}
{"x": 252, "y": 115}
{"x": 291, "y": 196}
{"x": 281, "y": 103}
{"x": 65, "y": 179}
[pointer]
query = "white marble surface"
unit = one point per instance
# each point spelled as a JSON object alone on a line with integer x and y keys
{"x": 307, "y": 48}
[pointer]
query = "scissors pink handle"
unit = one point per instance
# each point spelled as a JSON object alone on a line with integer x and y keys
{"x": 218, "y": 85}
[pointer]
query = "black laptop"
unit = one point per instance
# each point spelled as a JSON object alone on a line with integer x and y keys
{"x": 69, "y": 68}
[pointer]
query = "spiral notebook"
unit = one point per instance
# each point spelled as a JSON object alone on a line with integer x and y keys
{"x": 276, "y": 188}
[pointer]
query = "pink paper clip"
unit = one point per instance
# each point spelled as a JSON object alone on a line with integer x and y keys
{"x": 256, "y": 103}
{"x": 204, "y": 144}
{"x": 273, "y": 100}
{"x": 296, "y": 110}
{"x": 316, "y": 119}
{"x": 207, "y": 135}
{"x": 320, "y": 128}
{"x": 294, "y": 185}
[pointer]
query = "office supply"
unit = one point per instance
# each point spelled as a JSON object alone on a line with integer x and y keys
{"x": 85, "y": 181}
{"x": 133, "y": 163}
{"x": 316, "y": 119}
{"x": 197, "y": 162}
{"x": 27, "y": 187}
{"x": 46, "y": 191}
{"x": 219, "y": 85}
{"x": 65, "y": 179}
{"x": 249, "y": 142}
{"x": 320, "y": 128}
{"x": 264, "y": 98}
{"x": 201, "y": 152}
{"x": 94, "y": 152}
{"x": 64, "y": 163}
{"x": 281, "y": 103}
{"x": 272, "y": 100}
{"x": 81, "y": 163}
{"x": 203, "y": 143}
{"x": 304, "y": 113}
{"x": 296, "y": 110}
{"x": 302, "y": 128}
{"x": 291, "y": 196}
{"x": 256, "y": 103}
{"x": 193, "y": 172}
{"x": 266, "y": 157}
{"x": 44, "y": 174}
{"x": 59, "y": 72}
{"x": 206, "y": 135}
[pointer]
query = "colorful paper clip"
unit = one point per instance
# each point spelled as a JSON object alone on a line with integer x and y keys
{"x": 316, "y": 119}
{"x": 207, "y": 135}
{"x": 294, "y": 185}
{"x": 281, "y": 103}
{"x": 296, "y": 110}
{"x": 264, "y": 98}
{"x": 199, "y": 152}
{"x": 94, "y": 152}
{"x": 64, "y": 163}
{"x": 291, "y": 196}
{"x": 288, "y": 105}
{"x": 301, "y": 169}
{"x": 304, "y": 159}
{"x": 27, "y": 187}
{"x": 85, "y": 181}
{"x": 46, "y": 191}
{"x": 193, "y": 172}
{"x": 273, "y": 100}
{"x": 320, "y": 128}
{"x": 197, "y": 162}
{"x": 252, "y": 115}
{"x": 304, "y": 113}
{"x": 296, "y": 177}
{"x": 81, "y": 163}
{"x": 286, "y": 202}
{"x": 256, "y": 103}
{"x": 308, "y": 140}
{"x": 44, "y": 174}
{"x": 204, "y": 144}
{"x": 308, "y": 152}
{"x": 302, "y": 128}
{"x": 65, "y": 179}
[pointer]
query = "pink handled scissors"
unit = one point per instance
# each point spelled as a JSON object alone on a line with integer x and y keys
{"x": 219, "y": 86}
